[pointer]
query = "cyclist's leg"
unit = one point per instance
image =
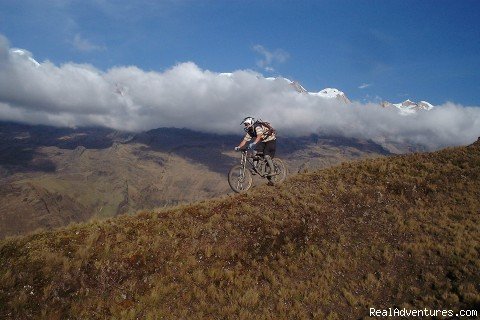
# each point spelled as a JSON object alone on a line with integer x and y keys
{"x": 269, "y": 153}
{"x": 260, "y": 147}
{"x": 270, "y": 148}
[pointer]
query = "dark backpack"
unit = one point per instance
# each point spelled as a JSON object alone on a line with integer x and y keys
{"x": 260, "y": 122}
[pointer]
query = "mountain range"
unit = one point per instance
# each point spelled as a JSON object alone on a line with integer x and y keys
{"x": 50, "y": 177}
{"x": 327, "y": 93}
{"x": 406, "y": 107}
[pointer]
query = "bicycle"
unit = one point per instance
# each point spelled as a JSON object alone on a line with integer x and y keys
{"x": 240, "y": 177}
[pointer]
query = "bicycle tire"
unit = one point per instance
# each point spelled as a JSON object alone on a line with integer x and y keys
{"x": 235, "y": 180}
{"x": 280, "y": 171}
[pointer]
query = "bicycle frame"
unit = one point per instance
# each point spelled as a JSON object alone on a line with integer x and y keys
{"x": 240, "y": 180}
{"x": 250, "y": 160}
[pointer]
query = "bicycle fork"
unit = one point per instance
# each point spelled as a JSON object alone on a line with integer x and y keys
{"x": 241, "y": 176}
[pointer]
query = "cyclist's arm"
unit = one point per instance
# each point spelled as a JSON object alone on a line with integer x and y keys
{"x": 247, "y": 138}
{"x": 242, "y": 144}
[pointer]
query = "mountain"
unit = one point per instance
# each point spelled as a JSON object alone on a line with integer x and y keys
{"x": 331, "y": 93}
{"x": 327, "y": 93}
{"x": 409, "y": 107}
{"x": 298, "y": 87}
{"x": 50, "y": 177}
{"x": 399, "y": 232}
{"x": 405, "y": 108}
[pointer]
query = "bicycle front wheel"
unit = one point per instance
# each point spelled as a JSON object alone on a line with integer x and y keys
{"x": 240, "y": 179}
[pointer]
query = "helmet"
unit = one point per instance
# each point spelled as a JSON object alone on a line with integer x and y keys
{"x": 248, "y": 122}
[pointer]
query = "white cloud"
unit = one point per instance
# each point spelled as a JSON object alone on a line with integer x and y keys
{"x": 372, "y": 98}
{"x": 86, "y": 45}
{"x": 129, "y": 98}
{"x": 4, "y": 46}
{"x": 270, "y": 57}
{"x": 364, "y": 85}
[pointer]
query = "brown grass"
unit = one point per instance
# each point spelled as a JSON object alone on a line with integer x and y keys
{"x": 393, "y": 232}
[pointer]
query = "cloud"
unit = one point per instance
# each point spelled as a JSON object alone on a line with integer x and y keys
{"x": 372, "y": 98}
{"x": 185, "y": 96}
{"x": 85, "y": 45}
{"x": 270, "y": 57}
{"x": 4, "y": 46}
{"x": 364, "y": 85}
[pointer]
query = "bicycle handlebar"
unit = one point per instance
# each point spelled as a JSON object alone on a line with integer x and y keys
{"x": 253, "y": 154}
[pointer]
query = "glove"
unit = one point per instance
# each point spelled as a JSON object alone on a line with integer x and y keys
{"x": 252, "y": 145}
{"x": 237, "y": 148}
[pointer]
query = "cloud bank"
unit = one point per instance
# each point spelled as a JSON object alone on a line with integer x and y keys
{"x": 185, "y": 96}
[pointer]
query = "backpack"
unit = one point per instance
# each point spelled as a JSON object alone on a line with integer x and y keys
{"x": 270, "y": 129}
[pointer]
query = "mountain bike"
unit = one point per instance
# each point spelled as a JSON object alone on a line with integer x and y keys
{"x": 240, "y": 176}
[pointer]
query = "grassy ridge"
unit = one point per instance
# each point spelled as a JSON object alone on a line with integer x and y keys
{"x": 392, "y": 232}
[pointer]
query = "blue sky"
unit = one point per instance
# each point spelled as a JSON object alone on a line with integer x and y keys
{"x": 205, "y": 65}
{"x": 371, "y": 50}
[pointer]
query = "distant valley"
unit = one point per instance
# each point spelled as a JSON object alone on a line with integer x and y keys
{"x": 50, "y": 177}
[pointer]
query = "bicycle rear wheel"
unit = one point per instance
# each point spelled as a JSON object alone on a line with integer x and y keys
{"x": 280, "y": 171}
{"x": 239, "y": 179}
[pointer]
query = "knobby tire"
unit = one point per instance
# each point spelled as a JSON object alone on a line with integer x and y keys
{"x": 238, "y": 183}
{"x": 280, "y": 170}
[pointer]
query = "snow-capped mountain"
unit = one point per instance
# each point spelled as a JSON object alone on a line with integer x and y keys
{"x": 298, "y": 87}
{"x": 331, "y": 93}
{"x": 327, "y": 93}
{"x": 406, "y": 107}
{"x": 409, "y": 107}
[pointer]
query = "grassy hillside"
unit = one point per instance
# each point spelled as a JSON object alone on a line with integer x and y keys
{"x": 101, "y": 183}
{"x": 392, "y": 232}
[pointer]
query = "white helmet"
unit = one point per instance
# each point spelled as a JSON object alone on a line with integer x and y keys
{"x": 248, "y": 122}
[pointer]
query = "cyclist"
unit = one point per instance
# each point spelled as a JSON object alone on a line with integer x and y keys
{"x": 264, "y": 139}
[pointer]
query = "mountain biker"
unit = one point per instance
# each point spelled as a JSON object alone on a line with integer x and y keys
{"x": 264, "y": 140}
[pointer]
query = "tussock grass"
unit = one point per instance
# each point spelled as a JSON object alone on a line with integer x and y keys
{"x": 391, "y": 232}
